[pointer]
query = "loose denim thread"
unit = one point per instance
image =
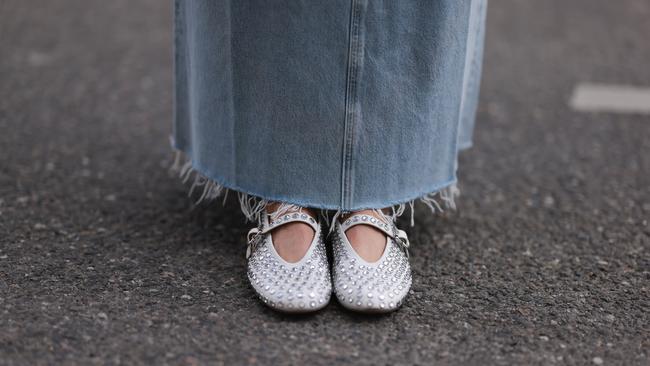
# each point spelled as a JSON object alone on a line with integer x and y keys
{"x": 253, "y": 207}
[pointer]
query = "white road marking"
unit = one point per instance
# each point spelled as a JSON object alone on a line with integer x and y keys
{"x": 589, "y": 97}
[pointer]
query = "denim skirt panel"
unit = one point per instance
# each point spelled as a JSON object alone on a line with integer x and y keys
{"x": 338, "y": 104}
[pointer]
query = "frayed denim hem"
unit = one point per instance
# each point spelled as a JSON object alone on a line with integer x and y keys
{"x": 252, "y": 205}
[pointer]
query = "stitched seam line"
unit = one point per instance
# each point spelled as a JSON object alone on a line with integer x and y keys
{"x": 350, "y": 93}
{"x": 465, "y": 83}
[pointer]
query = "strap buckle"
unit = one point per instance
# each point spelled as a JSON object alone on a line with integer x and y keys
{"x": 253, "y": 240}
{"x": 403, "y": 241}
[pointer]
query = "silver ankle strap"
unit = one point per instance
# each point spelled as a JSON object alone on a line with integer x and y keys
{"x": 399, "y": 236}
{"x": 256, "y": 235}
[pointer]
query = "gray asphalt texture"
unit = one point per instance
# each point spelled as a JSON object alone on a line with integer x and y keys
{"x": 103, "y": 260}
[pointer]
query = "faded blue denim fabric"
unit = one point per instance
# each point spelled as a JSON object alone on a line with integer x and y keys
{"x": 338, "y": 104}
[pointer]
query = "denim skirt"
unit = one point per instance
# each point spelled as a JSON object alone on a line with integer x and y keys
{"x": 339, "y": 105}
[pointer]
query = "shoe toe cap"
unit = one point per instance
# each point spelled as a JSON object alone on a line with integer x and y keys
{"x": 372, "y": 299}
{"x": 295, "y": 301}
{"x": 294, "y": 295}
{"x": 372, "y": 302}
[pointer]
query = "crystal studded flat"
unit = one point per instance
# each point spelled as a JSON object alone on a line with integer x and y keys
{"x": 375, "y": 287}
{"x": 299, "y": 287}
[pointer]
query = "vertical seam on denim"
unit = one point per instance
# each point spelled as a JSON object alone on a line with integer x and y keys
{"x": 233, "y": 106}
{"x": 175, "y": 68}
{"x": 477, "y": 55}
{"x": 190, "y": 72}
{"x": 478, "y": 19}
{"x": 465, "y": 82}
{"x": 350, "y": 93}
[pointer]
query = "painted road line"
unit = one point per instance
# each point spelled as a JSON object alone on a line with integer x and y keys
{"x": 589, "y": 97}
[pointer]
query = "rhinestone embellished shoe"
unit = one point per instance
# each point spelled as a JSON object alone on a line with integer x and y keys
{"x": 299, "y": 287}
{"x": 375, "y": 287}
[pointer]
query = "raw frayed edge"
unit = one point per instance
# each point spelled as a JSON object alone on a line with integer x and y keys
{"x": 436, "y": 201}
{"x": 253, "y": 206}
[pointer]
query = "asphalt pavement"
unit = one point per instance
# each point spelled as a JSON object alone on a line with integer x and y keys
{"x": 103, "y": 259}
